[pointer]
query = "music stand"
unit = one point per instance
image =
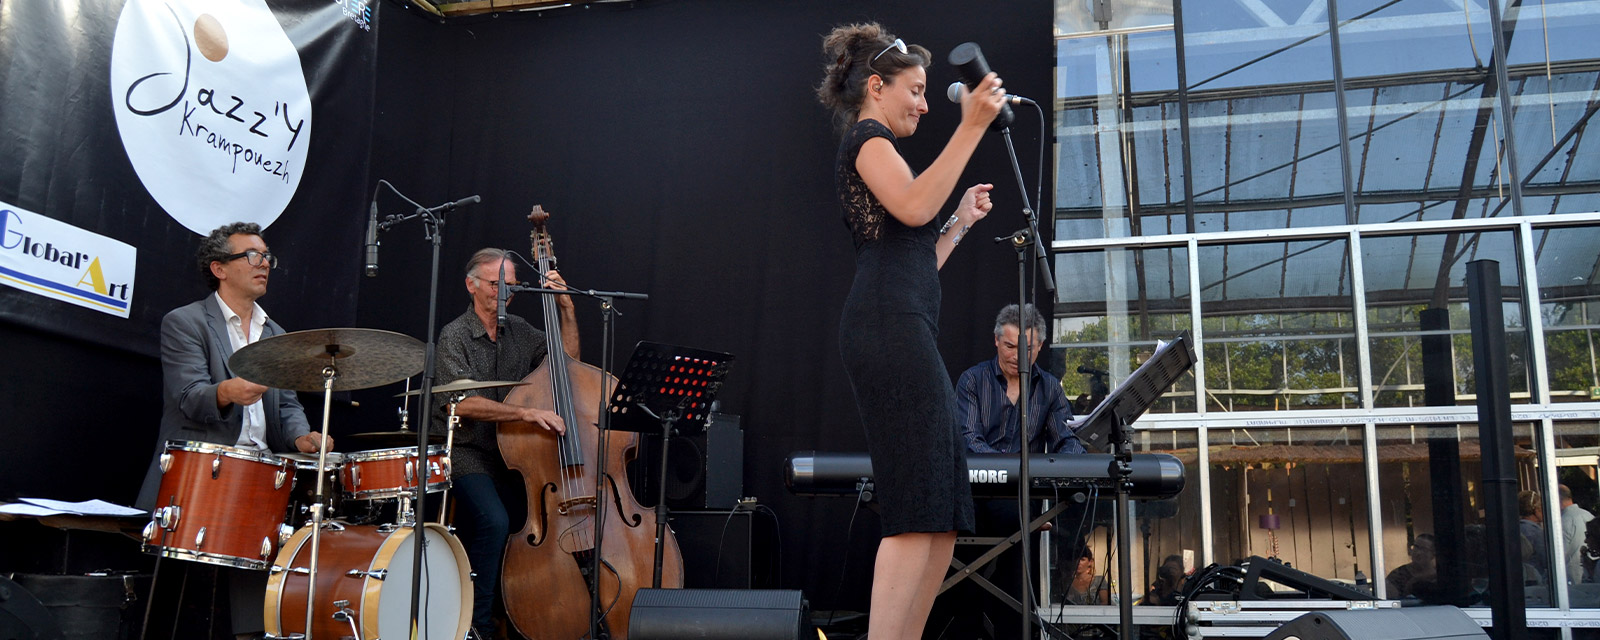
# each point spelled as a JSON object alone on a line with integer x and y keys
{"x": 1110, "y": 425}
{"x": 662, "y": 387}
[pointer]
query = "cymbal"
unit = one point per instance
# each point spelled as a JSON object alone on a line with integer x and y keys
{"x": 465, "y": 384}
{"x": 362, "y": 358}
{"x": 384, "y": 440}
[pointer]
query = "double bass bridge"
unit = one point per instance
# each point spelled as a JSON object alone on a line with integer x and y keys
{"x": 565, "y": 507}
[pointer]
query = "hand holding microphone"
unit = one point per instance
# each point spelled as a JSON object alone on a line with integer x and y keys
{"x": 985, "y": 92}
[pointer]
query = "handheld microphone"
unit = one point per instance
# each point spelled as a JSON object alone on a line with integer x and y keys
{"x": 968, "y": 60}
{"x": 953, "y": 92}
{"x": 1092, "y": 371}
{"x": 500, "y": 295}
{"x": 372, "y": 242}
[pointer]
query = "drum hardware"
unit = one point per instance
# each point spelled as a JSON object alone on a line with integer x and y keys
{"x": 216, "y": 465}
{"x": 267, "y": 548}
{"x": 200, "y": 539}
{"x": 166, "y": 462}
{"x": 307, "y": 360}
{"x": 283, "y": 474}
{"x": 376, "y": 574}
{"x": 344, "y": 614}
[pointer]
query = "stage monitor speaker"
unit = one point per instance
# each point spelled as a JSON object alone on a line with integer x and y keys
{"x": 23, "y": 617}
{"x": 712, "y": 614}
{"x": 704, "y": 470}
{"x": 1410, "y": 623}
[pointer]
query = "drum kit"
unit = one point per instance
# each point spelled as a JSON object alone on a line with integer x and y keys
{"x": 309, "y": 519}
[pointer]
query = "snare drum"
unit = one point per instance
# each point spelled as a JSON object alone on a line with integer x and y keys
{"x": 391, "y": 473}
{"x": 366, "y": 573}
{"x": 305, "y": 488}
{"x": 220, "y": 505}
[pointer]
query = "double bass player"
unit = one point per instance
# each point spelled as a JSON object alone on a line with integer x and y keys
{"x": 473, "y": 346}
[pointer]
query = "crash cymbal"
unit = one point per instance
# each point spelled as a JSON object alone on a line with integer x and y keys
{"x": 384, "y": 440}
{"x": 362, "y": 358}
{"x": 465, "y": 384}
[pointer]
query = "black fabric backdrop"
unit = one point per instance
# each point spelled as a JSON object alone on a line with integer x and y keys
{"x": 682, "y": 153}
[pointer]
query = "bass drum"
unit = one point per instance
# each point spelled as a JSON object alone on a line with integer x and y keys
{"x": 368, "y": 571}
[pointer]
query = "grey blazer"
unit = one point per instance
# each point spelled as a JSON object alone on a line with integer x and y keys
{"x": 194, "y": 360}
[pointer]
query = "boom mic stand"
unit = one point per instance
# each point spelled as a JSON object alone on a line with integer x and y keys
{"x": 432, "y": 224}
{"x": 1025, "y": 241}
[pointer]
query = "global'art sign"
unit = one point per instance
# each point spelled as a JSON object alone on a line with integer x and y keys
{"x": 56, "y": 260}
{"x": 212, "y": 107}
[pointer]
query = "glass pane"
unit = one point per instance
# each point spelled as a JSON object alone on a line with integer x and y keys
{"x": 1112, "y": 307}
{"x": 1170, "y": 529}
{"x": 1119, "y": 161}
{"x": 1279, "y": 330}
{"x": 1432, "y": 476}
{"x": 1577, "y": 467}
{"x": 1417, "y": 304}
{"x": 1295, "y": 494}
{"x": 1568, "y": 265}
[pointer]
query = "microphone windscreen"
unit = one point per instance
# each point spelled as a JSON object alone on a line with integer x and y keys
{"x": 954, "y": 92}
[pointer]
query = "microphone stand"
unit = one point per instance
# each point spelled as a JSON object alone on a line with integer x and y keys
{"x": 608, "y": 312}
{"x": 1024, "y": 241}
{"x": 432, "y": 223}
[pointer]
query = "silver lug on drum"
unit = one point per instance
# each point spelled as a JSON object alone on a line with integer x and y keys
{"x": 376, "y": 574}
{"x": 355, "y": 477}
{"x": 150, "y": 531}
{"x": 200, "y": 539}
{"x": 166, "y": 462}
{"x": 168, "y": 517}
{"x": 216, "y": 466}
{"x": 279, "y": 478}
{"x": 284, "y": 532}
{"x": 266, "y": 547}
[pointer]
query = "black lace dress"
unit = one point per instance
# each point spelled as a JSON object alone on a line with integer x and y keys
{"x": 887, "y": 338}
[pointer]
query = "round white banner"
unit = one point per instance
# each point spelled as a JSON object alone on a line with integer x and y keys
{"x": 212, "y": 107}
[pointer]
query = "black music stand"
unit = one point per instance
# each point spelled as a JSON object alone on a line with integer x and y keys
{"x": 1110, "y": 426}
{"x": 665, "y": 386}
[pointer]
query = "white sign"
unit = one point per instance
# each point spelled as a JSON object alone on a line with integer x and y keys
{"x": 212, "y": 107}
{"x": 57, "y": 260}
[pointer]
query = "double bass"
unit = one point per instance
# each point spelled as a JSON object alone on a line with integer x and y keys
{"x": 546, "y": 577}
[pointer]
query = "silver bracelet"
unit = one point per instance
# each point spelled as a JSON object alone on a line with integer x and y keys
{"x": 959, "y": 235}
{"x": 947, "y": 224}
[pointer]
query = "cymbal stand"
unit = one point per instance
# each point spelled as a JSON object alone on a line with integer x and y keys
{"x": 449, "y": 446}
{"x": 329, "y": 374}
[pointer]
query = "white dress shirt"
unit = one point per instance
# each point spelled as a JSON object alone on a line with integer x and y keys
{"x": 253, "y": 435}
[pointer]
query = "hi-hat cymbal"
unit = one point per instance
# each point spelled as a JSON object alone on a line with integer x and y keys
{"x": 362, "y": 358}
{"x": 384, "y": 440}
{"x": 465, "y": 384}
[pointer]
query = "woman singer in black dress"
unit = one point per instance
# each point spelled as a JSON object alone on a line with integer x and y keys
{"x": 875, "y": 85}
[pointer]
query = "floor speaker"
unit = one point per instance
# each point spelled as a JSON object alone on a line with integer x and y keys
{"x": 1410, "y": 623}
{"x": 712, "y": 614}
{"x": 727, "y": 549}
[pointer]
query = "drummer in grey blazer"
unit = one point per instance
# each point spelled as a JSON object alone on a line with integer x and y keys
{"x": 202, "y": 401}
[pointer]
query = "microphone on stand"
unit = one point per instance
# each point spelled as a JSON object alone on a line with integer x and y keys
{"x": 953, "y": 92}
{"x": 451, "y": 206}
{"x": 372, "y": 242}
{"x": 968, "y": 60}
{"x": 499, "y": 299}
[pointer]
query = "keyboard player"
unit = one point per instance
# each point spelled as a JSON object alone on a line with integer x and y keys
{"x": 987, "y": 410}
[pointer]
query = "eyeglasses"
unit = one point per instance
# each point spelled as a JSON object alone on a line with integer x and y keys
{"x": 495, "y": 283}
{"x": 256, "y": 258}
{"x": 898, "y": 44}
